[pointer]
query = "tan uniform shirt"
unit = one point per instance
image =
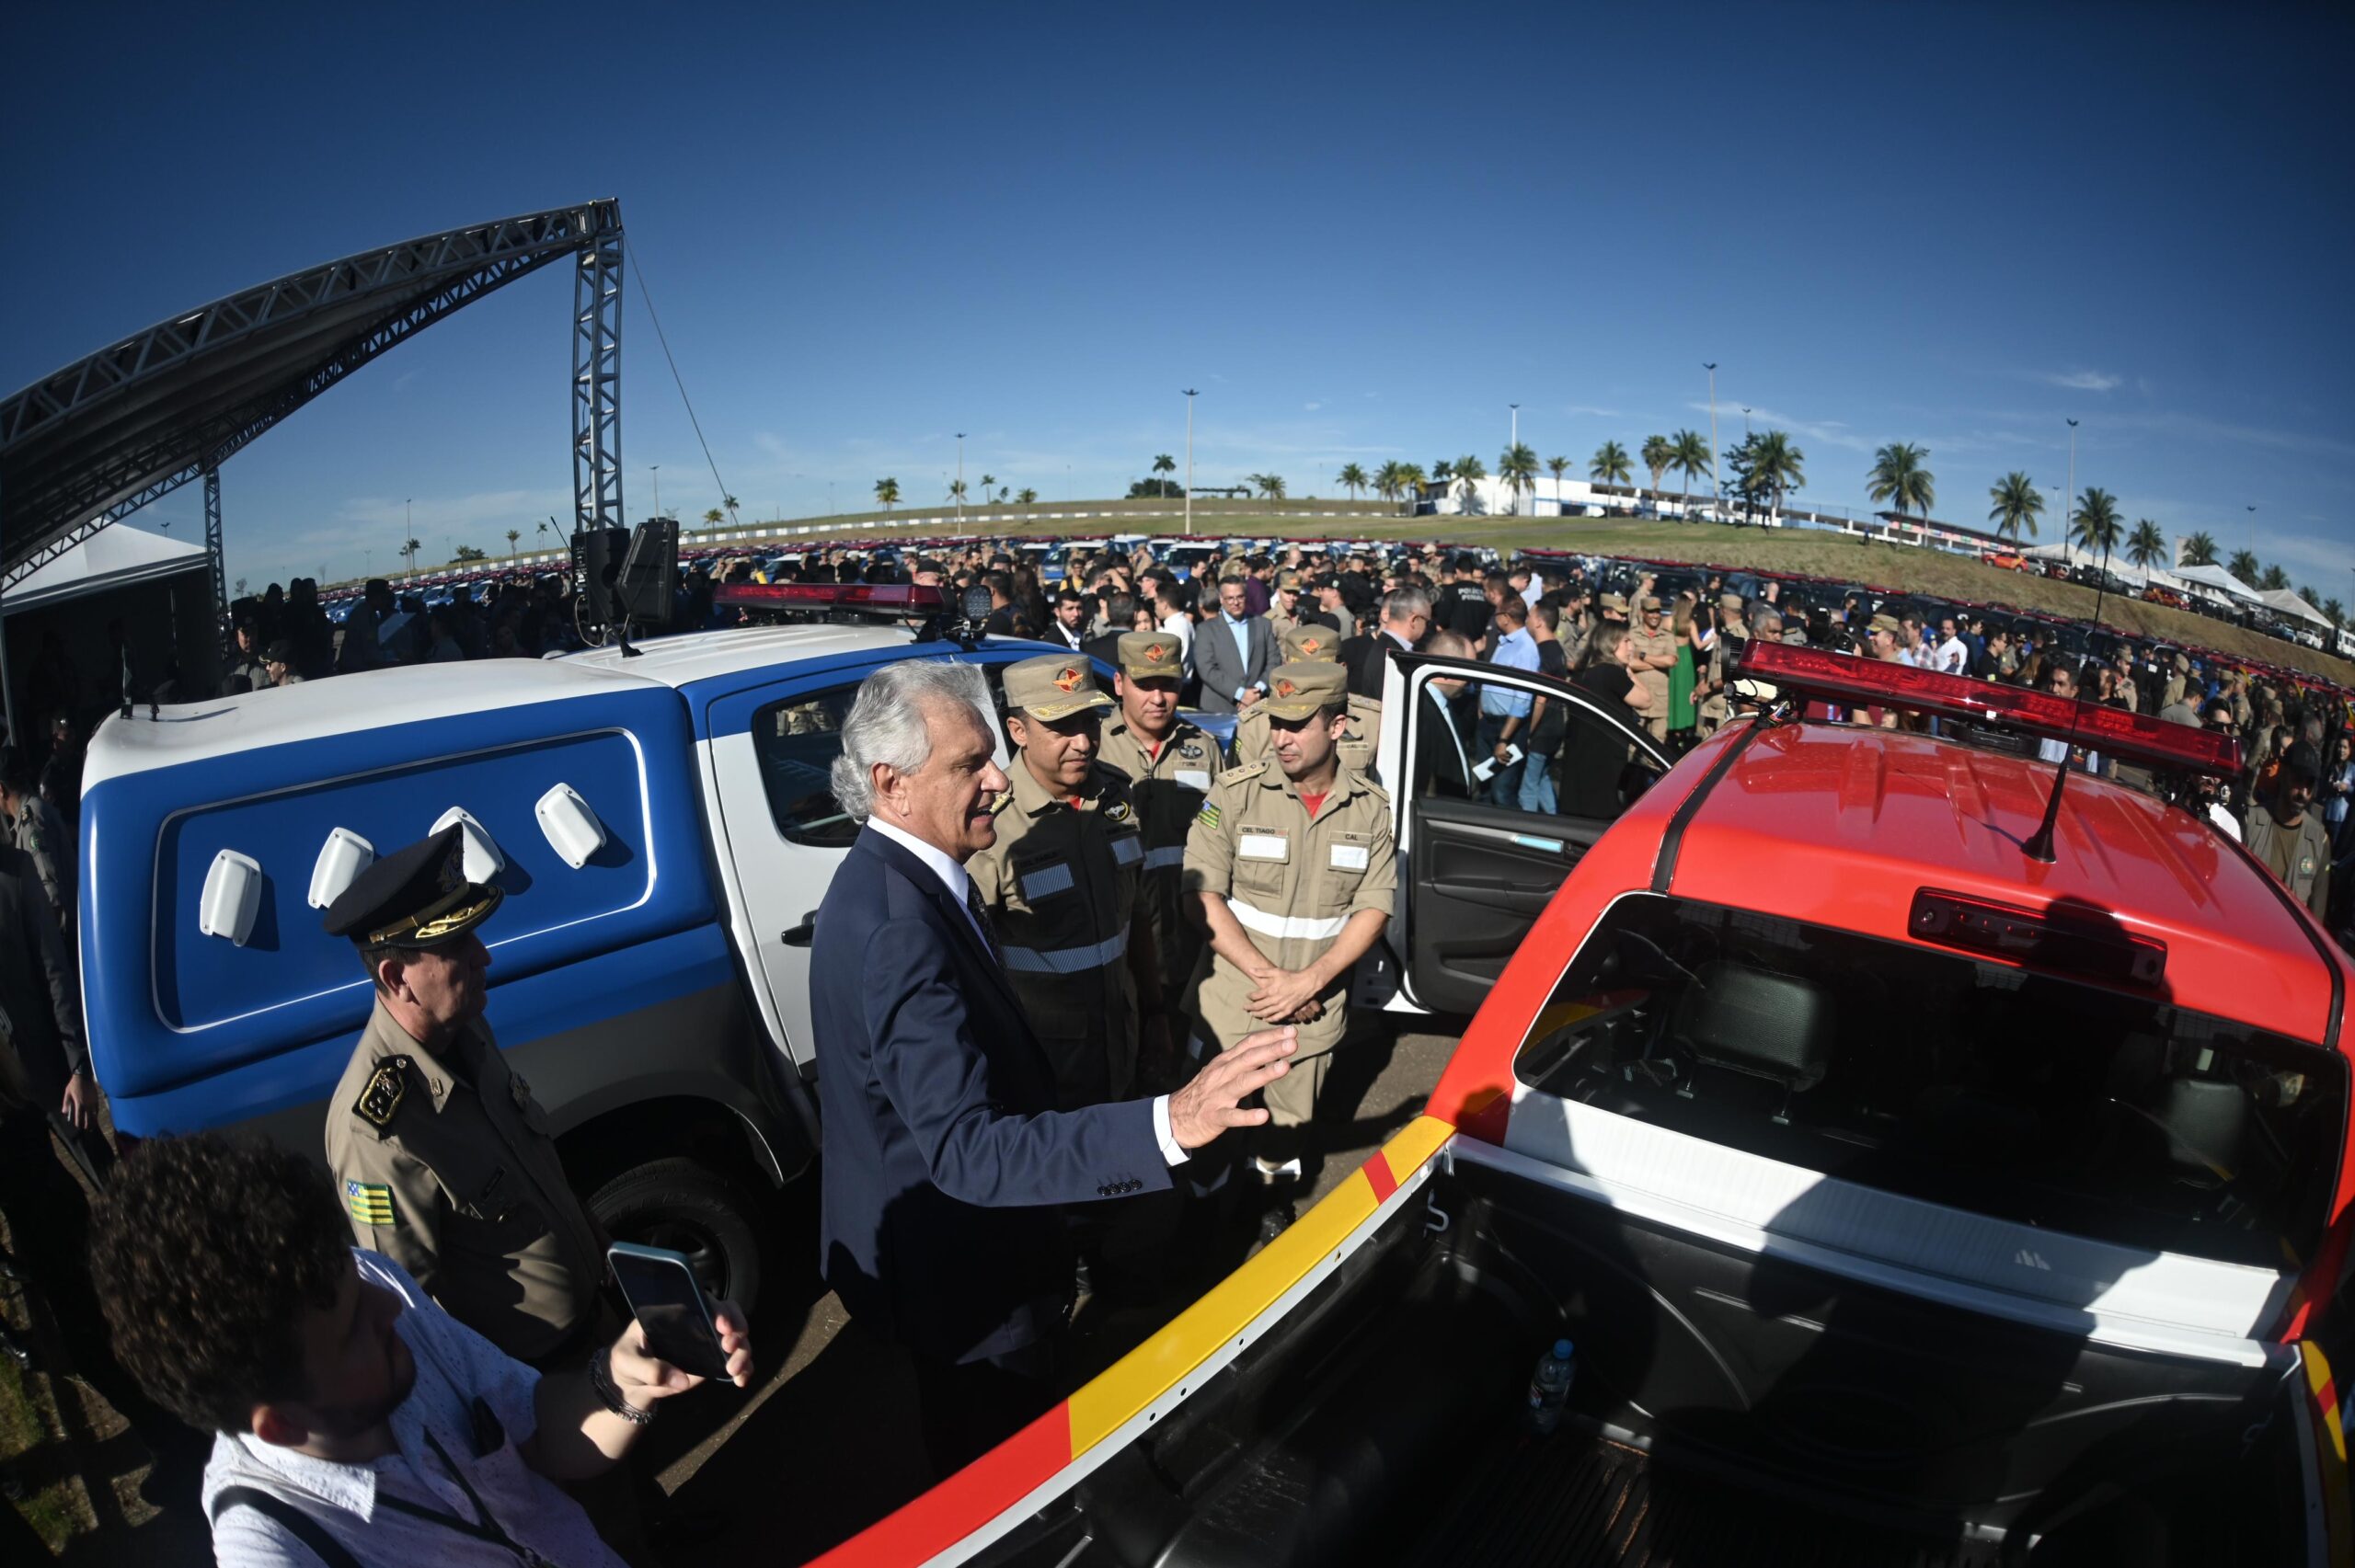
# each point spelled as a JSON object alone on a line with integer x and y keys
{"x": 1166, "y": 788}
{"x": 453, "y": 1175}
{"x": 1291, "y": 882}
{"x": 1065, "y": 887}
{"x": 1253, "y": 743}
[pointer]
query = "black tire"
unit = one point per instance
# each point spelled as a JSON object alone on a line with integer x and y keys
{"x": 690, "y": 1209}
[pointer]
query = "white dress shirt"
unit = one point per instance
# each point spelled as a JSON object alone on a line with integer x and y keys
{"x": 953, "y": 876}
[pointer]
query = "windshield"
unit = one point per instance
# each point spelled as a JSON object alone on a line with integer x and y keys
{"x": 1938, "y": 1077}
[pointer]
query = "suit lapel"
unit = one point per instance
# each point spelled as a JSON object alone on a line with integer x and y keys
{"x": 920, "y": 876}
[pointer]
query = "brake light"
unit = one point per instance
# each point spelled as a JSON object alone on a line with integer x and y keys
{"x": 899, "y": 598}
{"x": 2085, "y": 946}
{"x": 2113, "y": 732}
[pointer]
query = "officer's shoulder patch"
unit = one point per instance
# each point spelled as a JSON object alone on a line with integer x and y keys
{"x": 369, "y": 1203}
{"x": 381, "y": 1097}
{"x": 1243, "y": 773}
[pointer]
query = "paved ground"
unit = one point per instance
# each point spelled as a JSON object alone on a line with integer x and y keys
{"x": 826, "y": 1442}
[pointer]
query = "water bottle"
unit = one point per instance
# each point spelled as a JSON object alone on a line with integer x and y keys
{"x": 1549, "y": 1386}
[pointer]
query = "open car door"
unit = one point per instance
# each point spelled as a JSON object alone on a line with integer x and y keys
{"x": 1478, "y": 857}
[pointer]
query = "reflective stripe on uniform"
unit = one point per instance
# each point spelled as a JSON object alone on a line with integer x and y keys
{"x": 1067, "y": 960}
{"x": 1285, "y": 928}
{"x": 1125, "y": 850}
{"x": 1045, "y": 882}
{"x": 1167, "y": 855}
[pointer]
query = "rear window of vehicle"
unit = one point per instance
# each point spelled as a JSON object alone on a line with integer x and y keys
{"x": 1933, "y": 1075}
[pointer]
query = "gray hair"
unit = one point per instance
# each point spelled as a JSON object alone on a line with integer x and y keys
{"x": 1400, "y": 603}
{"x": 887, "y": 724}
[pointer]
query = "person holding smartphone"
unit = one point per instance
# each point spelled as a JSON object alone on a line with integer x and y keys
{"x": 355, "y": 1422}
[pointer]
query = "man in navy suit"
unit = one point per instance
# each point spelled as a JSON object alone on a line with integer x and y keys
{"x": 945, "y": 1161}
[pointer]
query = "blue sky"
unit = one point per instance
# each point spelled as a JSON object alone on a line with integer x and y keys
{"x": 1360, "y": 232}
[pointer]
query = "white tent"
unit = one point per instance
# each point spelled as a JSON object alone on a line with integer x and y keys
{"x": 113, "y": 558}
{"x": 2285, "y": 602}
{"x": 2120, "y": 568}
{"x": 2216, "y": 580}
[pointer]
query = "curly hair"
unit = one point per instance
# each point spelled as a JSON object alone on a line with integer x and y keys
{"x": 206, "y": 1251}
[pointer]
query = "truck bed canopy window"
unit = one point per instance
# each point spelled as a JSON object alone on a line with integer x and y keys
{"x": 1936, "y": 1076}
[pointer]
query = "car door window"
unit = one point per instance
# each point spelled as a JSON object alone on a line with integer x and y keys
{"x": 1573, "y": 764}
{"x": 795, "y": 740}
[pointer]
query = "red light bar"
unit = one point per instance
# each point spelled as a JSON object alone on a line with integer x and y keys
{"x": 2112, "y": 732}
{"x": 2034, "y": 936}
{"x": 903, "y": 599}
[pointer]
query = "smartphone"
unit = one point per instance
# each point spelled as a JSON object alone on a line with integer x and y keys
{"x": 672, "y": 1308}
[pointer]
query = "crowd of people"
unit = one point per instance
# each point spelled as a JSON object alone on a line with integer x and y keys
{"x": 1072, "y": 1011}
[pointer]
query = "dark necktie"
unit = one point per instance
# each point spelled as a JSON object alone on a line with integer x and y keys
{"x": 981, "y": 922}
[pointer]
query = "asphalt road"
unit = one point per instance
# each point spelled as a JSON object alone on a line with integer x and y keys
{"x": 826, "y": 1442}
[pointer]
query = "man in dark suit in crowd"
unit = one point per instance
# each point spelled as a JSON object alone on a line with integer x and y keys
{"x": 1406, "y": 621}
{"x": 1234, "y": 651}
{"x": 944, "y": 1159}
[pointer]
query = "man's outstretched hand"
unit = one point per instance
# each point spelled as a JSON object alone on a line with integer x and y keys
{"x": 1206, "y": 1108}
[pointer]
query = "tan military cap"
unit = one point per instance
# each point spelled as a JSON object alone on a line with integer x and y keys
{"x": 1887, "y": 624}
{"x": 1056, "y": 686}
{"x": 1615, "y": 605}
{"x": 1298, "y": 691}
{"x": 1152, "y": 656}
{"x": 1312, "y": 645}
{"x": 1730, "y": 601}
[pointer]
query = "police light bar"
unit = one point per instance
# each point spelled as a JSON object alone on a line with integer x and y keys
{"x": 2112, "y": 732}
{"x": 883, "y": 597}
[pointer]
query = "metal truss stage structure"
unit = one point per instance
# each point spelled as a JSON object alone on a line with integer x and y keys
{"x": 94, "y": 442}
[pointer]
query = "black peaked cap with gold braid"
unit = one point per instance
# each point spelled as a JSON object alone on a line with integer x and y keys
{"x": 414, "y": 897}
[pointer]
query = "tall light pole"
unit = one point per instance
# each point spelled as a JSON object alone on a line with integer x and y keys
{"x": 2252, "y": 531}
{"x": 2069, "y": 501}
{"x": 1189, "y": 459}
{"x": 1510, "y": 450}
{"x": 407, "y": 522}
{"x": 656, "y": 469}
{"x": 1745, "y": 421}
{"x": 960, "y": 479}
{"x": 1711, "y": 366}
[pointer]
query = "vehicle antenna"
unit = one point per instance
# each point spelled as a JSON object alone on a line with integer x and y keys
{"x": 2038, "y": 847}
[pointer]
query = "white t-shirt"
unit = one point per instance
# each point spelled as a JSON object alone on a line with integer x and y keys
{"x": 1953, "y": 657}
{"x": 1181, "y": 626}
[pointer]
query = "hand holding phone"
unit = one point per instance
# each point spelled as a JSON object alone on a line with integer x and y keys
{"x": 679, "y": 1337}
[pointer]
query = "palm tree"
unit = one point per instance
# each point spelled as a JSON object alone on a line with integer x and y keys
{"x": 2018, "y": 503}
{"x": 1028, "y": 498}
{"x": 1386, "y": 480}
{"x": 1897, "y": 478}
{"x": 1468, "y": 472}
{"x": 1776, "y": 468}
{"x": 1517, "y": 466}
{"x": 2096, "y": 525}
{"x": 1351, "y": 478}
{"x": 2334, "y": 613}
{"x": 1689, "y": 455}
{"x": 1607, "y": 466}
{"x": 1165, "y": 463}
{"x": 513, "y": 535}
{"x": 410, "y": 550}
{"x": 1660, "y": 457}
{"x": 713, "y": 517}
{"x": 2243, "y": 565}
{"x": 2274, "y": 581}
{"x": 956, "y": 489}
{"x": 989, "y": 482}
{"x": 2199, "y": 550}
{"x": 1411, "y": 481}
{"x": 1443, "y": 471}
{"x": 2146, "y": 546}
{"x": 887, "y": 492}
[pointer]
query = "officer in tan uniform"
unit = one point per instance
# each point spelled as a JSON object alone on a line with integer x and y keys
{"x": 1290, "y": 860}
{"x": 1170, "y": 763}
{"x": 440, "y": 1156}
{"x": 1315, "y": 644}
{"x": 1064, "y": 883}
{"x": 1651, "y": 658}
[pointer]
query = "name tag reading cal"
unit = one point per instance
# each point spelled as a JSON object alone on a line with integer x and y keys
{"x": 1350, "y": 857}
{"x": 1262, "y": 846}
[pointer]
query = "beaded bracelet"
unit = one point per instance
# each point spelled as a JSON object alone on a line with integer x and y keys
{"x": 609, "y": 1393}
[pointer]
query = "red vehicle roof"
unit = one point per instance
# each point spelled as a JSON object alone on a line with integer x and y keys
{"x": 1841, "y": 826}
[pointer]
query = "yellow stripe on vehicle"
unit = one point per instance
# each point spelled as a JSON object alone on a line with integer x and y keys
{"x": 1109, "y": 1400}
